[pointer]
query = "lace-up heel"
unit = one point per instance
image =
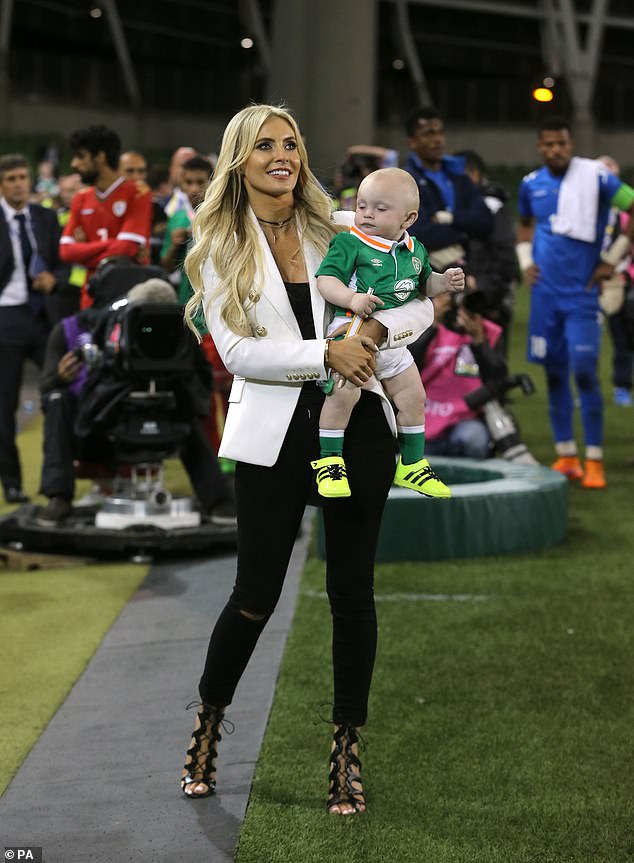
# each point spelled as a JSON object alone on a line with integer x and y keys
{"x": 200, "y": 766}
{"x": 332, "y": 480}
{"x": 345, "y": 789}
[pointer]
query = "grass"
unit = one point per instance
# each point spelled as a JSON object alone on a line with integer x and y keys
{"x": 52, "y": 623}
{"x": 53, "y": 620}
{"x": 500, "y": 728}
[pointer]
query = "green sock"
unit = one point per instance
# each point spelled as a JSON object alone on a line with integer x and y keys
{"x": 227, "y": 465}
{"x": 411, "y": 442}
{"x": 331, "y": 442}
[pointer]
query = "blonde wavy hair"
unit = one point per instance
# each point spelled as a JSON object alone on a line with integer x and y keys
{"x": 222, "y": 230}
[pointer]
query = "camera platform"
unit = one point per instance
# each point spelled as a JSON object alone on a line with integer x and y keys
{"x": 80, "y": 534}
{"x": 497, "y": 507}
{"x": 161, "y": 510}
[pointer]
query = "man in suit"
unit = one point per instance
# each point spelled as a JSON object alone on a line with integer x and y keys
{"x": 30, "y": 270}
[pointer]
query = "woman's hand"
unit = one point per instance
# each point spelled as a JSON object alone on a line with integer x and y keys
{"x": 354, "y": 358}
{"x": 374, "y": 330}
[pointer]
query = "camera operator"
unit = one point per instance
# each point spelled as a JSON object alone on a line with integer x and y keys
{"x": 63, "y": 385}
{"x": 458, "y": 355}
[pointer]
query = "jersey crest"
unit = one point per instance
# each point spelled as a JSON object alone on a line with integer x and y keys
{"x": 404, "y": 288}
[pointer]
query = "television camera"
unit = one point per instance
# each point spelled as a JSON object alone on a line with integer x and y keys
{"x": 503, "y": 428}
{"x": 489, "y": 399}
{"x": 146, "y": 352}
{"x": 144, "y": 384}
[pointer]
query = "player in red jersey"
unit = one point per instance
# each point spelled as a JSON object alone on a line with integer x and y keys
{"x": 111, "y": 217}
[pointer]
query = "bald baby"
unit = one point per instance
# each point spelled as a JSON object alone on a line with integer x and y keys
{"x": 387, "y": 203}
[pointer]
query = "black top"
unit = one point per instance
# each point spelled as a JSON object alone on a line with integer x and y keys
{"x": 299, "y": 298}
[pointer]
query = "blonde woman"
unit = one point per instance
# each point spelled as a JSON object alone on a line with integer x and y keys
{"x": 259, "y": 237}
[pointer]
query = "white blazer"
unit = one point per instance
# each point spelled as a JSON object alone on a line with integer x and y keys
{"x": 270, "y": 366}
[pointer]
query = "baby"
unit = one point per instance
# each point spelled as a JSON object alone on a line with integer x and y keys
{"x": 378, "y": 265}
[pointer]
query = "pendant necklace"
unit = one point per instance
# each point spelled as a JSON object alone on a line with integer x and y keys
{"x": 280, "y": 224}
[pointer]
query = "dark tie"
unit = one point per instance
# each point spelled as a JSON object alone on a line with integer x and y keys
{"x": 25, "y": 243}
{"x": 35, "y": 299}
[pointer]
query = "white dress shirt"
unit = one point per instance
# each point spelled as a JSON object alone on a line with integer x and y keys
{"x": 16, "y": 291}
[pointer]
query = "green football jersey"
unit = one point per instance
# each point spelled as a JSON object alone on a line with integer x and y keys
{"x": 396, "y": 271}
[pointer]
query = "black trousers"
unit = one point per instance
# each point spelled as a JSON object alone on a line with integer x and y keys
{"x": 22, "y": 336}
{"x": 270, "y": 506}
{"x": 622, "y": 356}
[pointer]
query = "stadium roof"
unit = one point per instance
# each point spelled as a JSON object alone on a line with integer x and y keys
{"x": 480, "y": 58}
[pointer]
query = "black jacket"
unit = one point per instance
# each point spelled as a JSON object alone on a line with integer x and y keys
{"x": 47, "y": 232}
{"x": 472, "y": 217}
{"x": 493, "y": 261}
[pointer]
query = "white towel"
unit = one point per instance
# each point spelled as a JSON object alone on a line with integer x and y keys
{"x": 578, "y": 203}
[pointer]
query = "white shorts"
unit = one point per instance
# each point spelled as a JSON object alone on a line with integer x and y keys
{"x": 389, "y": 362}
{"x": 392, "y": 362}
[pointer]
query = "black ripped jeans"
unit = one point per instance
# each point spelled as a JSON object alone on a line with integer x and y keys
{"x": 270, "y": 506}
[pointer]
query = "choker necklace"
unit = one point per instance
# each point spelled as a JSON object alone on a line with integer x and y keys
{"x": 279, "y": 224}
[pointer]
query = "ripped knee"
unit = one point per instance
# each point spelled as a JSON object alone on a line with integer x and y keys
{"x": 250, "y": 616}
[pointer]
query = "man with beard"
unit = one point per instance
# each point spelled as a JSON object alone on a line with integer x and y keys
{"x": 564, "y": 210}
{"x": 113, "y": 215}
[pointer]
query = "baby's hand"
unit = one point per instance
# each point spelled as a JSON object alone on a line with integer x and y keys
{"x": 364, "y": 304}
{"x": 454, "y": 280}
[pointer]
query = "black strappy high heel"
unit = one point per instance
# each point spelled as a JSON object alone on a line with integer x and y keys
{"x": 345, "y": 771}
{"x": 200, "y": 766}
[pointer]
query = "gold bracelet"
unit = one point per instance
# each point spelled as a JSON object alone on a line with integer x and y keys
{"x": 326, "y": 357}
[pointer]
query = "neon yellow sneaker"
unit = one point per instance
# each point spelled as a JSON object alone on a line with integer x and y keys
{"x": 331, "y": 476}
{"x": 420, "y": 477}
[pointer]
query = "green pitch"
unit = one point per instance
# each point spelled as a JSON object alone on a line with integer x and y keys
{"x": 502, "y": 709}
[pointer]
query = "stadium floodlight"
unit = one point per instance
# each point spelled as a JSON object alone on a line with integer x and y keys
{"x": 543, "y": 94}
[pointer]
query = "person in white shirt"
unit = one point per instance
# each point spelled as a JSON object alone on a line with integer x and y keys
{"x": 30, "y": 270}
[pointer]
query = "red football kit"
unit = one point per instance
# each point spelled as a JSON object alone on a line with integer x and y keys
{"x": 116, "y": 222}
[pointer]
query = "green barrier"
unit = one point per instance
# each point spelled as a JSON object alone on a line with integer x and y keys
{"x": 497, "y": 507}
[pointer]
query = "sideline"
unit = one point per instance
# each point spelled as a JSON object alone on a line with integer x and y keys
{"x": 101, "y": 783}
